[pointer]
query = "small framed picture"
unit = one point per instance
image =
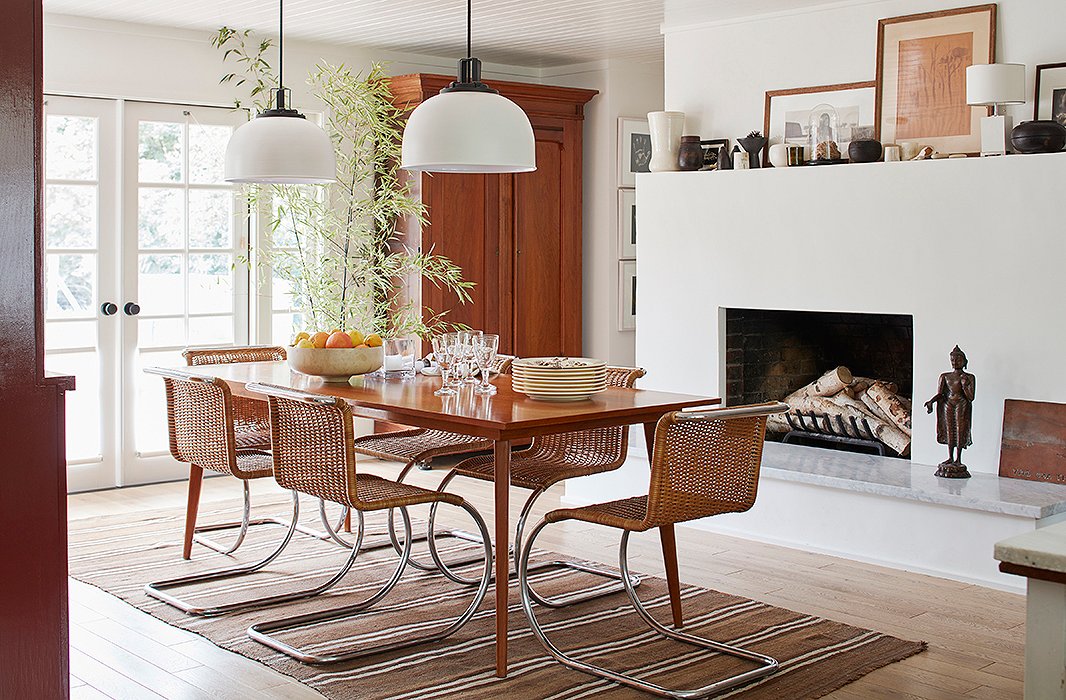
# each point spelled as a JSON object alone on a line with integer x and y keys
{"x": 710, "y": 152}
{"x": 627, "y": 223}
{"x": 1051, "y": 92}
{"x": 627, "y": 295}
{"x": 634, "y": 150}
{"x": 787, "y": 114}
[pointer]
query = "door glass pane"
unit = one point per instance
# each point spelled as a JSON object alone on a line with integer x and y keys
{"x": 70, "y": 216}
{"x": 285, "y": 326}
{"x": 70, "y": 285}
{"x": 161, "y": 217}
{"x": 160, "y": 287}
{"x": 211, "y": 330}
{"x": 150, "y": 401}
{"x": 207, "y": 150}
{"x": 66, "y": 335}
{"x": 71, "y": 148}
{"x": 83, "y": 405}
{"x": 159, "y": 150}
{"x": 210, "y": 218}
{"x": 161, "y": 332}
{"x": 210, "y": 283}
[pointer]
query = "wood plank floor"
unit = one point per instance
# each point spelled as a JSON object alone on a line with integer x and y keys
{"x": 975, "y": 634}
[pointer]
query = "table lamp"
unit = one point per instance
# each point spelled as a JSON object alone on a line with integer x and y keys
{"x": 995, "y": 84}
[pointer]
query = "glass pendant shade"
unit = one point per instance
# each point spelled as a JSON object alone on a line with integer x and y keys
{"x": 282, "y": 149}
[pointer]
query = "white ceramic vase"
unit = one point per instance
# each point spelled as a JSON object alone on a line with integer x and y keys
{"x": 778, "y": 155}
{"x": 666, "y": 129}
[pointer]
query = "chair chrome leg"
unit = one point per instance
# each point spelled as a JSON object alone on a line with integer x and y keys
{"x": 158, "y": 589}
{"x": 766, "y": 664}
{"x": 261, "y": 632}
{"x": 333, "y": 531}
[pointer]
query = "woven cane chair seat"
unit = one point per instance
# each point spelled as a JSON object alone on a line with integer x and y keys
{"x": 254, "y": 464}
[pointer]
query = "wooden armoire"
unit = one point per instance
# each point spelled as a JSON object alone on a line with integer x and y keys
{"x": 516, "y": 236}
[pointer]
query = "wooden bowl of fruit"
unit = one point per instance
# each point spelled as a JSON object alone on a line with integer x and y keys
{"x": 336, "y": 356}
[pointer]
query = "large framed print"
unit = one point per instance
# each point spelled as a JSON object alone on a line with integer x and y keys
{"x": 634, "y": 150}
{"x": 627, "y": 224}
{"x": 921, "y": 77}
{"x": 1050, "y": 99}
{"x": 786, "y": 116}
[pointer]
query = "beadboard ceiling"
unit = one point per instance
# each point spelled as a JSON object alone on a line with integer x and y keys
{"x": 538, "y": 33}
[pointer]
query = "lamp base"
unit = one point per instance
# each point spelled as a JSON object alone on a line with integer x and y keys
{"x": 995, "y": 135}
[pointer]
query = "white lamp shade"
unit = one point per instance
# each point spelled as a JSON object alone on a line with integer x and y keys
{"x": 995, "y": 84}
{"x": 469, "y": 132}
{"x": 282, "y": 150}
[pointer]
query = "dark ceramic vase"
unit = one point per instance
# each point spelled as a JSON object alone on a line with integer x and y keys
{"x": 753, "y": 145}
{"x": 690, "y": 154}
{"x": 1040, "y": 136}
{"x": 725, "y": 158}
{"x": 864, "y": 151}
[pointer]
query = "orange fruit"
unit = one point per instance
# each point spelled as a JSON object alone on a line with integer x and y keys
{"x": 319, "y": 339}
{"x": 373, "y": 340}
{"x": 339, "y": 339}
{"x": 362, "y": 345}
{"x": 357, "y": 338}
{"x": 335, "y": 330}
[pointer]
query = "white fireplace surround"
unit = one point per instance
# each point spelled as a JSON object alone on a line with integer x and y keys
{"x": 973, "y": 249}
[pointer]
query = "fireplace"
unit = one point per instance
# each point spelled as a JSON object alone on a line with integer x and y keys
{"x": 770, "y": 354}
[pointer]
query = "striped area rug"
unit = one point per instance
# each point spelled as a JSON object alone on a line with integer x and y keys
{"x": 120, "y": 553}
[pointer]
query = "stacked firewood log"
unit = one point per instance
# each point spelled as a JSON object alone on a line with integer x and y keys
{"x": 838, "y": 393}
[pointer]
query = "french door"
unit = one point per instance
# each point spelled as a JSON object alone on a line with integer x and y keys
{"x": 145, "y": 255}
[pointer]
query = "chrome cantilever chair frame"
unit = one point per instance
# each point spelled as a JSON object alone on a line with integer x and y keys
{"x": 334, "y": 477}
{"x": 668, "y": 504}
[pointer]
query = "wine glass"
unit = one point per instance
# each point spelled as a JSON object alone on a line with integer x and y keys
{"x": 485, "y": 354}
{"x": 444, "y": 348}
{"x": 470, "y": 341}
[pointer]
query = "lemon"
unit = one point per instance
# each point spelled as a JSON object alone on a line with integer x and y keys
{"x": 300, "y": 336}
{"x": 304, "y": 343}
{"x": 357, "y": 338}
{"x": 373, "y": 340}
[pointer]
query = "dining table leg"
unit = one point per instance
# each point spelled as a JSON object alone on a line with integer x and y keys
{"x": 502, "y": 479}
{"x": 669, "y": 543}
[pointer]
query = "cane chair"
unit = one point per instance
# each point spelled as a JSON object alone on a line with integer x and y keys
{"x": 251, "y": 432}
{"x": 703, "y": 463}
{"x": 312, "y": 448}
{"x": 549, "y": 460}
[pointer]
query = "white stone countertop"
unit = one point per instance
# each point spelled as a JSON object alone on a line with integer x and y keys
{"x": 887, "y": 476}
{"x": 1040, "y": 549}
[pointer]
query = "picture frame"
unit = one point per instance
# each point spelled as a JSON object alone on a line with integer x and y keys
{"x": 627, "y": 223}
{"x": 921, "y": 77}
{"x": 710, "y": 152}
{"x": 634, "y": 150}
{"x": 627, "y": 295}
{"x": 1049, "y": 101}
{"x": 784, "y": 114}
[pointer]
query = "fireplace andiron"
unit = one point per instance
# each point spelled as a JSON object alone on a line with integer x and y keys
{"x": 954, "y": 412}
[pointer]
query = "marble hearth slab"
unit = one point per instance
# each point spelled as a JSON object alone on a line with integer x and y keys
{"x": 1044, "y": 548}
{"x": 885, "y": 476}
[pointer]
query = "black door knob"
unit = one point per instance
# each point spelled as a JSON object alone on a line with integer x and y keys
{"x": 109, "y": 308}
{"x": 131, "y": 309}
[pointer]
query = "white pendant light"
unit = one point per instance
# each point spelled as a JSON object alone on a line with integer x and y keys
{"x": 280, "y": 145}
{"x": 468, "y": 128}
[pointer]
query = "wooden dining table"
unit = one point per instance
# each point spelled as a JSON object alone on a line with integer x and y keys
{"x": 505, "y": 417}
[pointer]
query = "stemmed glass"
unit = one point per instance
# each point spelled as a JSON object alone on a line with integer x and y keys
{"x": 485, "y": 355}
{"x": 469, "y": 341}
{"x": 444, "y": 350}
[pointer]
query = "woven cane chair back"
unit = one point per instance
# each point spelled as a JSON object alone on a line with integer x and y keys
{"x": 594, "y": 447}
{"x": 200, "y": 422}
{"x": 705, "y": 465}
{"x": 250, "y": 420}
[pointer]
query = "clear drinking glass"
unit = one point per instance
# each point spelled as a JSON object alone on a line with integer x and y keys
{"x": 469, "y": 340}
{"x": 444, "y": 355}
{"x": 485, "y": 355}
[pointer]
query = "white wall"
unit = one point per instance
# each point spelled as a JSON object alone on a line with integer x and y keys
{"x": 627, "y": 89}
{"x": 718, "y": 72}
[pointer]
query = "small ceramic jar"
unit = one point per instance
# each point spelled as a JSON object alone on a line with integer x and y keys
{"x": 690, "y": 154}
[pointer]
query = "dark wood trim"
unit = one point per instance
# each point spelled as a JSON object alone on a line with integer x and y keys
{"x": 535, "y": 99}
{"x": 1036, "y": 94}
{"x": 1032, "y": 572}
{"x": 770, "y": 94}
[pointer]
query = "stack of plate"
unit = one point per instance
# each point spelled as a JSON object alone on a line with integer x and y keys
{"x": 559, "y": 378}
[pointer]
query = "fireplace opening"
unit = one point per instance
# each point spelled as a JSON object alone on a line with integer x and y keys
{"x": 774, "y": 355}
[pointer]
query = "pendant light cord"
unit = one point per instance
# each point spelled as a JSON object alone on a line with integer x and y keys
{"x": 468, "y": 26}
{"x": 281, "y": 44}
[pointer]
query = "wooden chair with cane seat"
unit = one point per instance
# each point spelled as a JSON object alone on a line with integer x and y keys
{"x": 312, "y": 448}
{"x": 549, "y": 460}
{"x": 704, "y": 463}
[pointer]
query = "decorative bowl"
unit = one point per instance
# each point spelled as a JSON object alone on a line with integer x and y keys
{"x": 864, "y": 151}
{"x": 1040, "y": 136}
{"x": 335, "y": 364}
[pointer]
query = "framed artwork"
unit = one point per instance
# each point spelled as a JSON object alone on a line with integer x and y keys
{"x": 627, "y": 223}
{"x": 710, "y": 152}
{"x": 627, "y": 295}
{"x": 1051, "y": 92}
{"x": 634, "y": 150}
{"x": 786, "y": 115}
{"x": 921, "y": 77}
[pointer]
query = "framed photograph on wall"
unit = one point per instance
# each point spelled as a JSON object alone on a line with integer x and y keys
{"x": 786, "y": 115}
{"x": 921, "y": 77}
{"x": 1050, "y": 97}
{"x": 627, "y": 224}
{"x": 634, "y": 150}
{"x": 627, "y": 295}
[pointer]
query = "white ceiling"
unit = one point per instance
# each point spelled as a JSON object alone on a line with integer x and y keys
{"x": 537, "y": 33}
